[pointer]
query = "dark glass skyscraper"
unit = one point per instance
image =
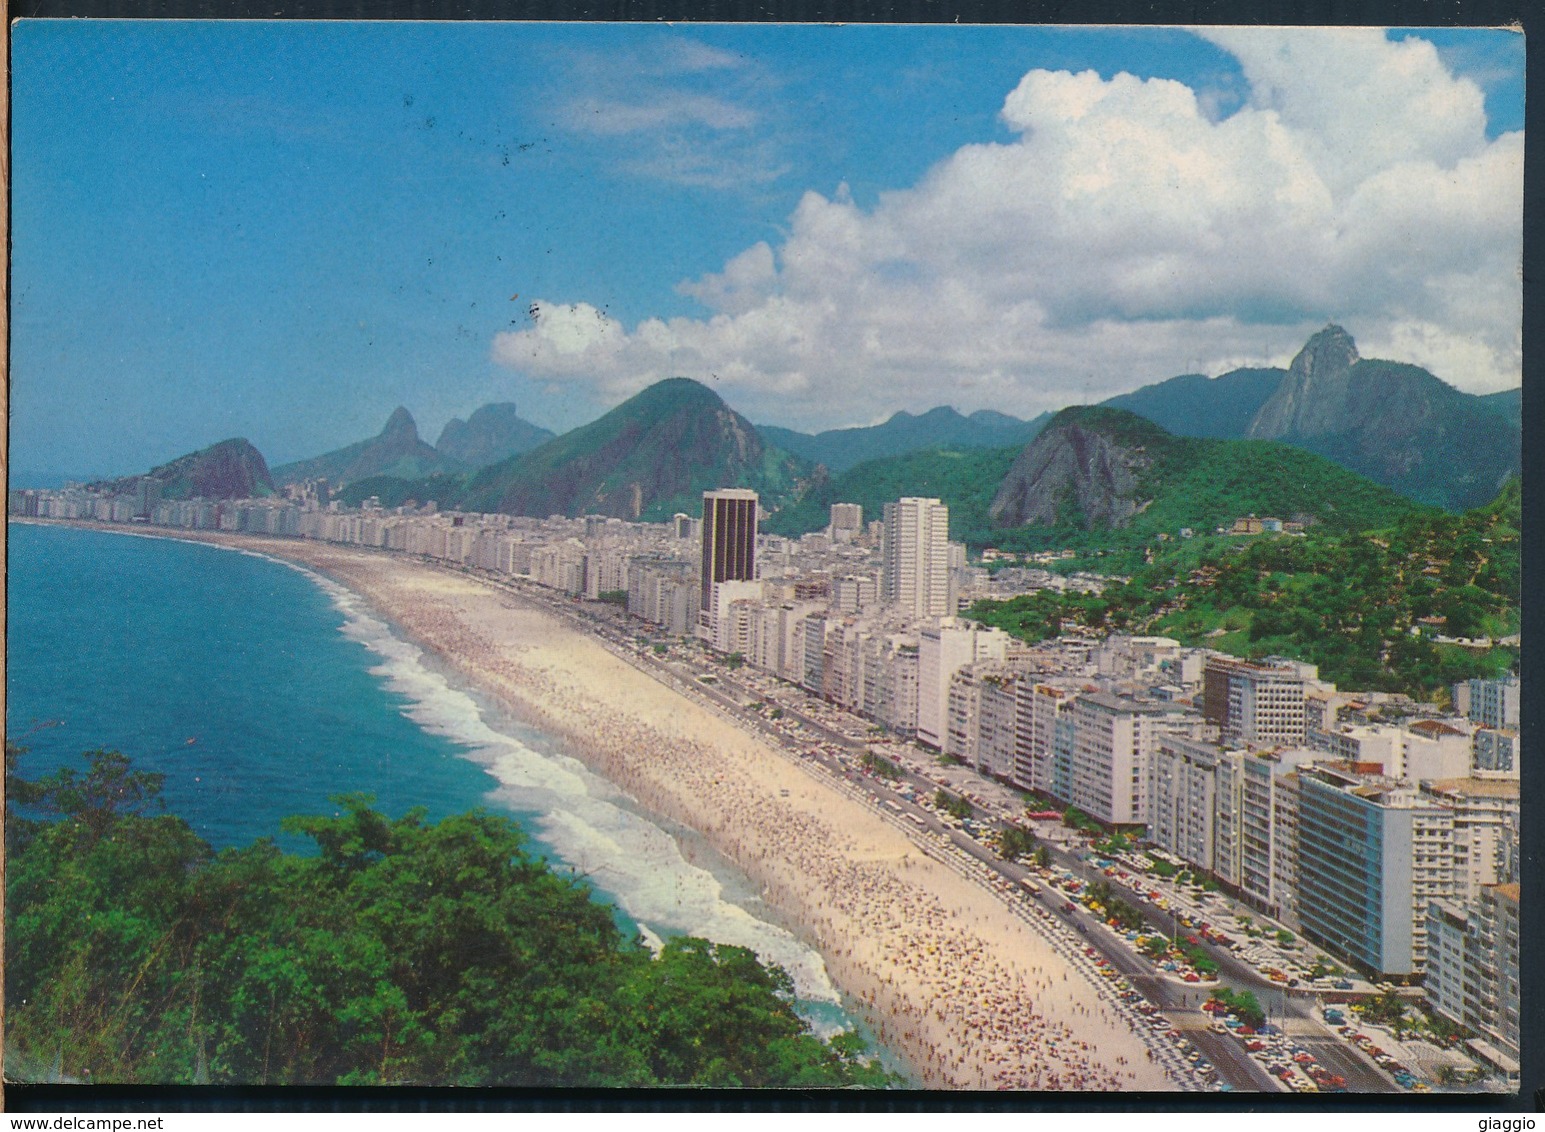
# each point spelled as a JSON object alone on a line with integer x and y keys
{"x": 729, "y": 538}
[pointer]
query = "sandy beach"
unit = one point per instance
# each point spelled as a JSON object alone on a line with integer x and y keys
{"x": 947, "y": 975}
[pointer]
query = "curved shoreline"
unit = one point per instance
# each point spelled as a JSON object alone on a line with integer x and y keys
{"x": 944, "y": 973}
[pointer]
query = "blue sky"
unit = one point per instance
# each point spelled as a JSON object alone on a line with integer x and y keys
{"x": 282, "y": 231}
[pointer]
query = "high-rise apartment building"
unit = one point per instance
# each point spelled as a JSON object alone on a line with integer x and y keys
{"x": 1494, "y": 703}
{"x": 729, "y": 537}
{"x": 1372, "y": 855}
{"x": 890, "y": 680}
{"x": 1486, "y": 819}
{"x": 1114, "y": 738}
{"x": 1043, "y": 738}
{"x": 997, "y": 723}
{"x": 729, "y": 546}
{"x": 1182, "y": 798}
{"x": 1268, "y": 827}
{"x": 1472, "y": 971}
{"x": 944, "y": 649}
{"x": 1257, "y": 702}
{"x": 915, "y": 574}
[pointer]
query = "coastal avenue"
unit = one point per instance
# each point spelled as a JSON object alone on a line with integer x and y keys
{"x": 1178, "y": 1001}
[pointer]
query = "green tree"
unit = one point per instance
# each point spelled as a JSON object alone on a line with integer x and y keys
{"x": 1242, "y": 1004}
{"x": 1015, "y": 842}
{"x": 953, "y": 804}
{"x": 400, "y": 951}
{"x": 881, "y": 766}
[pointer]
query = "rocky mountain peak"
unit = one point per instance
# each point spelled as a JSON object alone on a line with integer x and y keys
{"x": 654, "y": 454}
{"x": 1082, "y": 470}
{"x": 400, "y": 426}
{"x": 494, "y": 432}
{"x": 1330, "y": 352}
{"x": 1312, "y": 399}
{"x": 231, "y": 469}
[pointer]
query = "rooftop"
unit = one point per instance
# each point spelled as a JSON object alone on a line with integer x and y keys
{"x": 1475, "y": 787}
{"x": 1434, "y": 727}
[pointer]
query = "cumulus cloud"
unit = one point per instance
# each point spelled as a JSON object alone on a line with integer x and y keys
{"x": 745, "y": 283}
{"x": 1125, "y": 235}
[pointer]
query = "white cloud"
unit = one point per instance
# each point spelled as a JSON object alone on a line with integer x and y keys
{"x": 683, "y": 112}
{"x": 1124, "y": 236}
{"x": 691, "y": 55}
{"x": 661, "y": 111}
{"x": 745, "y": 283}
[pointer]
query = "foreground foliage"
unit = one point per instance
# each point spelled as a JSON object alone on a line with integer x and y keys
{"x": 401, "y": 952}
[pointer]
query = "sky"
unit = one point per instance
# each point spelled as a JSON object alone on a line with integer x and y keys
{"x": 283, "y": 231}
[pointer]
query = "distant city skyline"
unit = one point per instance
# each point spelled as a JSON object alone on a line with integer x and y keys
{"x": 282, "y": 231}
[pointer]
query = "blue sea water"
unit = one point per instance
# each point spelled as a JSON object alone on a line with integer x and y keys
{"x": 260, "y": 689}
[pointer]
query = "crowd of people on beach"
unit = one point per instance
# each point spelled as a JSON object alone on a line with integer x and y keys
{"x": 973, "y": 999}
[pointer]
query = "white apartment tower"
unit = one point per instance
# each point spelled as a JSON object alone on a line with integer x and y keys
{"x": 1114, "y": 739}
{"x": 944, "y": 648}
{"x": 916, "y": 564}
{"x": 1257, "y": 702}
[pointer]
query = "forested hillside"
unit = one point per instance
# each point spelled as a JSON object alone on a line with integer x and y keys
{"x": 1369, "y": 608}
{"x": 964, "y": 479}
{"x": 399, "y": 952}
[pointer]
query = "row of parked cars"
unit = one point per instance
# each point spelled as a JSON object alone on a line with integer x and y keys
{"x": 1292, "y": 1064}
{"x": 1157, "y": 1022}
{"x": 1265, "y": 958}
{"x": 1386, "y": 1061}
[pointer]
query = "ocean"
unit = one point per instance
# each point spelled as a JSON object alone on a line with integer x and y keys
{"x": 259, "y": 689}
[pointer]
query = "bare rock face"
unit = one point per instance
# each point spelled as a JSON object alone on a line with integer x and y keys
{"x": 1080, "y": 471}
{"x": 1395, "y": 423}
{"x": 231, "y": 469}
{"x": 1313, "y": 398}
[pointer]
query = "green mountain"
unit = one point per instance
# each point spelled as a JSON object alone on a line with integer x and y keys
{"x": 1396, "y": 424}
{"x": 965, "y": 480}
{"x": 1098, "y": 477}
{"x": 231, "y": 469}
{"x": 1192, "y": 405}
{"x": 651, "y": 456}
{"x": 1095, "y": 468}
{"x": 1510, "y": 403}
{"x": 493, "y": 433}
{"x": 393, "y": 491}
{"x": 396, "y": 451}
{"x": 843, "y": 448}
